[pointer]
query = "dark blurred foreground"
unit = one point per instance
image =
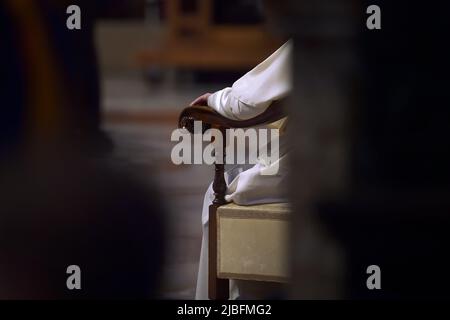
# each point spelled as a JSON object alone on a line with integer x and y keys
{"x": 62, "y": 210}
{"x": 371, "y": 174}
{"x": 62, "y": 201}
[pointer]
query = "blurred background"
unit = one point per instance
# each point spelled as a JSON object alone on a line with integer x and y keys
{"x": 88, "y": 114}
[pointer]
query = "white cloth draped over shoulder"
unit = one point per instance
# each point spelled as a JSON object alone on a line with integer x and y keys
{"x": 249, "y": 96}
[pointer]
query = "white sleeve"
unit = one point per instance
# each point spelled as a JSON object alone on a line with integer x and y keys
{"x": 257, "y": 89}
{"x": 225, "y": 103}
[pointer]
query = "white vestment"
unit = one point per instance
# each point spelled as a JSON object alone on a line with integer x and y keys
{"x": 257, "y": 89}
{"x": 249, "y": 96}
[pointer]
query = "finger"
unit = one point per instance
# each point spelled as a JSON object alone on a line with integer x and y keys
{"x": 193, "y": 103}
{"x": 196, "y": 102}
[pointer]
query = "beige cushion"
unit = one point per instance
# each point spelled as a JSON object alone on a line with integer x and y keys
{"x": 252, "y": 242}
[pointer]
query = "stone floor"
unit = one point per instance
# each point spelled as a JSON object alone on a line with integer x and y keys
{"x": 145, "y": 146}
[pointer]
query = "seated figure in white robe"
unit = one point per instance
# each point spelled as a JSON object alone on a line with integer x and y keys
{"x": 249, "y": 96}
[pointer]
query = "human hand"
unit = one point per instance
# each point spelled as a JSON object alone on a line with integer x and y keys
{"x": 201, "y": 101}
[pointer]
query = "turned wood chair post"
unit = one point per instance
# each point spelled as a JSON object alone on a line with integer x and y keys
{"x": 218, "y": 289}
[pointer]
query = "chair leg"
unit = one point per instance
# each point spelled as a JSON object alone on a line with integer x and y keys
{"x": 218, "y": 289}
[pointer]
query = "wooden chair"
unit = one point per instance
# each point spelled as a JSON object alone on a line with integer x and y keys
{"x": 229, "y": 223}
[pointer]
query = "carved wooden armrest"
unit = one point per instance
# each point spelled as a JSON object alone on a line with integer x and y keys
{"x": 211, "y": 118}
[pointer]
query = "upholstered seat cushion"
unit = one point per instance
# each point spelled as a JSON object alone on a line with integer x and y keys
{"x": 252, "y": 242}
